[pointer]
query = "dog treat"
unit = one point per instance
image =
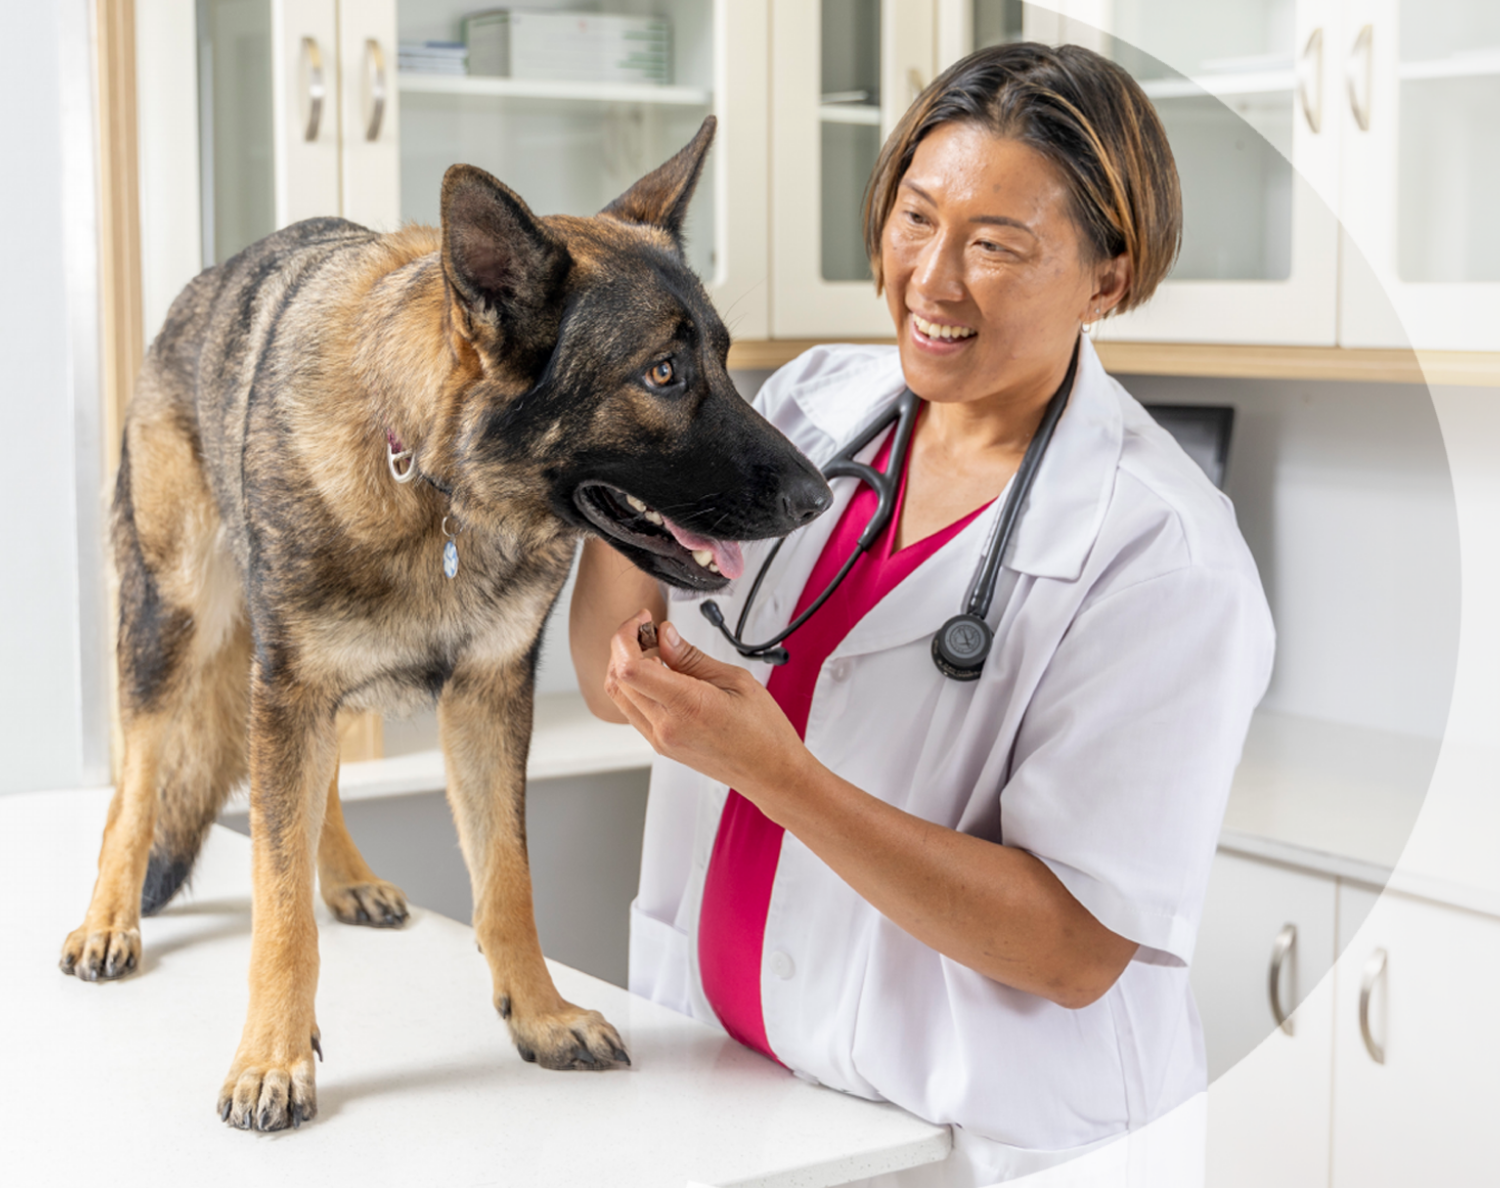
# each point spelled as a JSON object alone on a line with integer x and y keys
{"x": 646, "y": 636}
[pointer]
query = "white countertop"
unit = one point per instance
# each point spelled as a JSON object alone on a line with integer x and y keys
{"x": 1341, "y": 797}
{"x": 116, "y": 1083}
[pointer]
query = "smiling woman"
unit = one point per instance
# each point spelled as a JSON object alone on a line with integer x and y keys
{"x": 976, "y": 898}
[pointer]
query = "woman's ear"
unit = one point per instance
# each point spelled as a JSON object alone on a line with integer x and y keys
{"x": 1112, "y": 279}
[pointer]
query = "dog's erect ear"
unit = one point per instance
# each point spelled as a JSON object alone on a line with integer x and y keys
{"x": 660, "y": 199}
{"x": 495, "y": 253}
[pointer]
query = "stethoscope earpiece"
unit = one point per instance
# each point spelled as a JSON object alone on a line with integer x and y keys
{"x": 960, "y": 647}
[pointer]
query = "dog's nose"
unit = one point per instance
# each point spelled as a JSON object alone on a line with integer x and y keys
{"x": 805, "y": 498}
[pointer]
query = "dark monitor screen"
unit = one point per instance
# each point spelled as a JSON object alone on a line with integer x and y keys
{"x": 1202, "y": 430}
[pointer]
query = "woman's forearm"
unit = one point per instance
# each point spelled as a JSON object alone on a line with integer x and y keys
{"x": 993, "y": 908}
{"x": 608, "y": 591}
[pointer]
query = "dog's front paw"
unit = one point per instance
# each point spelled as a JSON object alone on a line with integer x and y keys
{"x": 100, "y": 955}
{"x": 378, "y": 903}
{"x": 270, "y": 1094}
{"x": 572, "y": 1038}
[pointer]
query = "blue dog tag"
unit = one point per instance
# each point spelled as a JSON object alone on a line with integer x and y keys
{"x": 450, "y": 559}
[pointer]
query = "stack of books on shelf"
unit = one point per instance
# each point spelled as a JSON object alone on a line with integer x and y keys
{"x": 569, "y": 46}
{"x": 433, "y": 57}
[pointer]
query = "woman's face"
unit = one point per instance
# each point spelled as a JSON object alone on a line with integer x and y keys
{"x": 986, "y": 274}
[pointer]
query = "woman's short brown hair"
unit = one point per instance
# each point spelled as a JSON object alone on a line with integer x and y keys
{"x": 1082, "y": 112}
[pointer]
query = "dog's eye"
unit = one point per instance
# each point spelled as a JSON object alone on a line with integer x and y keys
{"x": 661, "y": 374}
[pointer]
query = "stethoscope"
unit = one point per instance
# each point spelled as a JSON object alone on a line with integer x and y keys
{"x": 960, "y": 647}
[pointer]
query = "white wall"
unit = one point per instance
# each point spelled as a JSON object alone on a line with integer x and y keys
{"x": 1344, "y": 495}
{"x": 53, "y": 729}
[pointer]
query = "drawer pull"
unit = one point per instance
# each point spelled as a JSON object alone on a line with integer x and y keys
{"x": 1285, "y": 946}
{"x": 1374, "y": 971}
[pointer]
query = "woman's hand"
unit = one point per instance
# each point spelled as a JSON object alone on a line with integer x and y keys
{"x": 715, "y": 718}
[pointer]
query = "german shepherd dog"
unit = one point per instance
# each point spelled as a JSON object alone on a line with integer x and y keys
{"x": 535, "y": 378}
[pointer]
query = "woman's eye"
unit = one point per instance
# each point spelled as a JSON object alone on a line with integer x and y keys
{"x": 661, "y": 374}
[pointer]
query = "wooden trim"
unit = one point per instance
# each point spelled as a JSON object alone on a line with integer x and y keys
{"x": 1459, "y": 368}
{"x": 121, "y": 330}
{"x": 361, "y": 736}
{"x": 122, "y": 334}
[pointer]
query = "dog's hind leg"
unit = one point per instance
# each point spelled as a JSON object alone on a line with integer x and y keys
{"x": 348, "y": 885}
{"x": 108, "y": 942}
{"x": 183, "y": 654}
{"x": 485, "y": 719}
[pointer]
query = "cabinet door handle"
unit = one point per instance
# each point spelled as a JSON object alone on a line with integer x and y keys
{"x": 375, "y": 81}
{"x": 1359, "y": 74}
{"x": 313, "y": 86}
{"x": 1310, "y": 81}
{"x": 1286, "y": 943}
{"x": 1374, "y": 971}
{"x": 914, "y": 84}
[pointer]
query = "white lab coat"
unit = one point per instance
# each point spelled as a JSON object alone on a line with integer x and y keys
{"x": 1132, "y": 642}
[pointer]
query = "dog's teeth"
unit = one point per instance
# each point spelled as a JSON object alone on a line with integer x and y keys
{"x": 654, "y": 517}
{"x": 712, "y": 568}
{"x": 704, "y": 557}
{"x": 638, "y": 504}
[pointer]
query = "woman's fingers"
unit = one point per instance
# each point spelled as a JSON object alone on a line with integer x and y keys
{"x": 684, "y": 658}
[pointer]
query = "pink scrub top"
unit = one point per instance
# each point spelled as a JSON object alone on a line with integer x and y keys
{"x": 747, "y": 848}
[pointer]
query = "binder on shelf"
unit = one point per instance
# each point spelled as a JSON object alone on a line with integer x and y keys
{"x": 569, "y": 46}
{"x": 433, "y": 57}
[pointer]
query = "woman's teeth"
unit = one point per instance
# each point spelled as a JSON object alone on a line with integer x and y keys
{"x": 933, "y": 330}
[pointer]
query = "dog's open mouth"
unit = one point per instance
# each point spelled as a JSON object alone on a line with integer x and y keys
{"x": 631, "y": 520}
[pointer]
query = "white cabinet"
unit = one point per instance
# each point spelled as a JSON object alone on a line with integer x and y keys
{"x": 842, "y": 74}
{"x": 1390, "y": 1073}
{"x": 1266, "y": 924}
{"x": 369, "y": 114}
{"x": 1421, "y": 977}
{"x": 1246, "y": 92}
{"x": 1419, "y": 87}
{"x": 1339, "y": 160}
{"x": 297, "y": 112}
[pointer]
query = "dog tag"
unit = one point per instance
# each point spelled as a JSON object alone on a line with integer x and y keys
{"x": 450, "y": 559}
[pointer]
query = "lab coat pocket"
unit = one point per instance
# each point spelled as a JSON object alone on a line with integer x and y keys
{"x": 658, "y": 961}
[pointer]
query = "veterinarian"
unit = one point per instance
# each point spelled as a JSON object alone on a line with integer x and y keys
{"x": 974, "y": 898}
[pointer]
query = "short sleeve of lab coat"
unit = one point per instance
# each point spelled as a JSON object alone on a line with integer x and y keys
{"x": 1124, "y": 758}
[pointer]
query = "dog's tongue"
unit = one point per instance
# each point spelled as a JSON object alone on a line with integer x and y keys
{"x": 727, "y": 555}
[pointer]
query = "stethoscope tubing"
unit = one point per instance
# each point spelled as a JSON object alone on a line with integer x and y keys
{"x": 886, "y": 486}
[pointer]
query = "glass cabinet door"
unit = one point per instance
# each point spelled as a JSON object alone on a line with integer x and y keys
{"x": 843, "y": 72}
{"x": 1422, "y": 159}
{"x": 358, "y": 107}
{"x": 1242, "y": 88}
{"x": 569, "y": 103}
{"x": 559, "y": 114}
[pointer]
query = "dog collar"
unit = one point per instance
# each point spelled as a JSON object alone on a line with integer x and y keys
{"x": 402, "y": 463}
{"x": 403, "y": 466}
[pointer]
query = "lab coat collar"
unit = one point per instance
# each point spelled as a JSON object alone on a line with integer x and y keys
{"x": 1053, "y": 538}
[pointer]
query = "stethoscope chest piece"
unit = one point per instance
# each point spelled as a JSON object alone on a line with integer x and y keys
{"x": 960, "y": 647}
